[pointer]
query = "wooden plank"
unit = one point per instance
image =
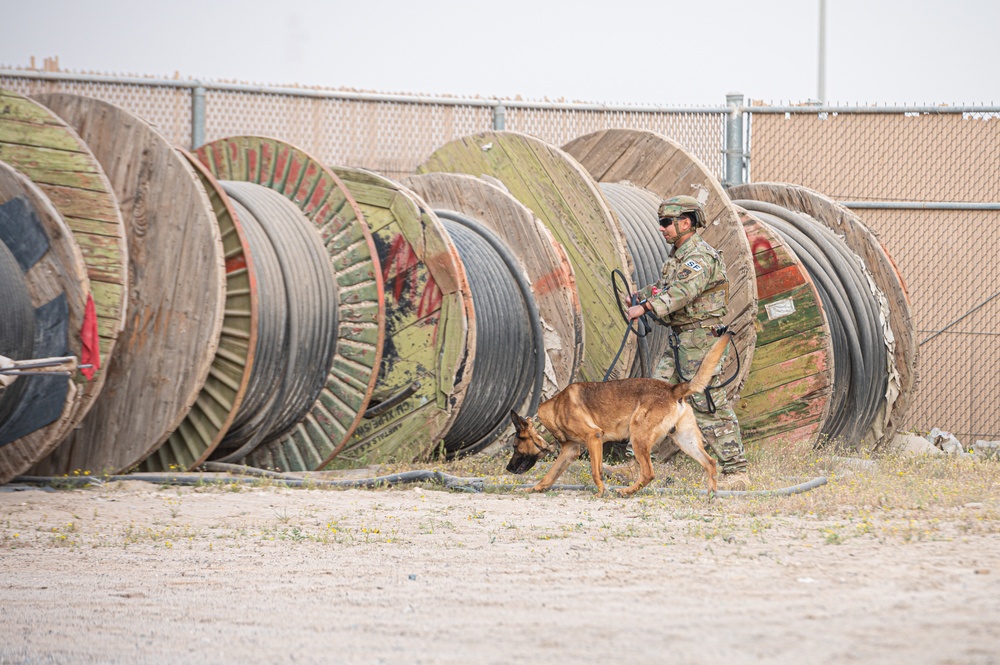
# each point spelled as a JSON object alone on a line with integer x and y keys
{"x": 177, "y": 283}
{"x": 787, "y": 371}
{"x": 807, "y": 315}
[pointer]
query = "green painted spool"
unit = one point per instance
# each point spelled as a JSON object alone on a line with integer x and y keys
{"x": 323, "y": 198}
{"x": 59, "y": 272}
{"x": 39, "y": 144}
{"x": 427, "y": 304}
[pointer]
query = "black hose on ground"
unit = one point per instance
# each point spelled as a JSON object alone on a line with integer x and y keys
{"x": 509, "y": 348}
{"x": 250, "y": 476}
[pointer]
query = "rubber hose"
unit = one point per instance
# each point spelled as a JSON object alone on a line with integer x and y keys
{"x": 449, "y": 481}
{"x": 509, "y": 350}
{"x": 17, "y": 327}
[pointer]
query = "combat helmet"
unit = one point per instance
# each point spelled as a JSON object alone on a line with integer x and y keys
{"x": 674, "y": 207}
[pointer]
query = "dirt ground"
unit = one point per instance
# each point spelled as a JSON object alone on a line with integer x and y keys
{"x": 133, "y": 572}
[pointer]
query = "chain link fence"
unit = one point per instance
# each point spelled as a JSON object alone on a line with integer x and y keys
{"x": 925, "y": 180}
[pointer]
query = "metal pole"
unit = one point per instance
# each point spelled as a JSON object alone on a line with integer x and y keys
{"x": 918, "y": 205}
{"x": 734, "y": 140}
{"x": 821, "y": 76}
{"x": 499, "y": 117}
{"x": 197, "y": 116}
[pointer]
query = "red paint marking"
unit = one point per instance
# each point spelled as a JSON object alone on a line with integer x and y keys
{"x": 238, "y": 262}
{"x": 552, "y": 281}
{"x": 398, "y": 270}
{"x": 317, "y": 197}
{"x": 779, "y": 281}
{"x": 294, "y": 171}
{"x": 431, "y": 299}
{"x": 763, "y": 247}
{"x": 252, "y": 159}
{"x": 280, "y": 158}
{"x": 307, "y": 183}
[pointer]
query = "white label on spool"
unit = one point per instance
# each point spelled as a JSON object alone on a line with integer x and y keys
{"x": 779, "y": 308}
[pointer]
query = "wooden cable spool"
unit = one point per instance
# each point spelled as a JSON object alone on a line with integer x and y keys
{"x": 220, "y": 397}
{"x": 656, "y": 163}
{"x": 323, "y": 198}
{"x": 892, "y": 301}
{"x": 421, "y": 380}
{"x": 176, "y": 291}
{"x": 787, "y": 394}
{"x": 53, "y": 277}
{"x": 560, "y": 192}
{"x": 542, "y": 259}
{"x": 39, "y": 144}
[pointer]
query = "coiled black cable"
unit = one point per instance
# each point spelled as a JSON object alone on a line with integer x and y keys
{"x": 510, "y": 354}
{"x": 860, "y": 374}
{"x": 17, "y": 327}
{"x": 297, "y": 320}
{"x": 636, "y": 209}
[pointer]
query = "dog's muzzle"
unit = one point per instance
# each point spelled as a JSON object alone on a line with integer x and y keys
{"x": 520, "y": 462}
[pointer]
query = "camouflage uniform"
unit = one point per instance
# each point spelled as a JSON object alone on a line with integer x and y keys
{"x": 691, "y": 296}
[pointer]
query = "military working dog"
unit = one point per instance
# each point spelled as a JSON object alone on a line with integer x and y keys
{"x": 644, "y": 411}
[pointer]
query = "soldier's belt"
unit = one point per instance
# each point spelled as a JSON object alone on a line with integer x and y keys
{"x": 706, "y": 323}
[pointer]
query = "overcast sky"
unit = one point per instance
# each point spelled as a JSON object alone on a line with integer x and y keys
{"x": 663, "y": 52}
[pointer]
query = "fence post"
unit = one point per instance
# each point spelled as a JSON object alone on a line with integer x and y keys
{"x": 499, "y": 117}
{"x": 734, "y": 140}
{"x": 197, "y": 116}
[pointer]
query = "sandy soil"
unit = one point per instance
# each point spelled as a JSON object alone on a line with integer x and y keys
{"x": 134, "y": 573}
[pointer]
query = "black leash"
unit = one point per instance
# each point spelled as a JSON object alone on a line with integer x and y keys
{"x": 642, "y": 328}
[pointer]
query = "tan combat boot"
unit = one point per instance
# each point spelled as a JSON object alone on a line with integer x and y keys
{"x": 734, "y": 482}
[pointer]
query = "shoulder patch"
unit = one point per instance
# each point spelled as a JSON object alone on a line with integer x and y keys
{"x": 693, "y": 265}
{"x": 683, "y": 274}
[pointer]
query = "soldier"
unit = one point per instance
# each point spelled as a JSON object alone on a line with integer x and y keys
{"x": 691, "y": 297}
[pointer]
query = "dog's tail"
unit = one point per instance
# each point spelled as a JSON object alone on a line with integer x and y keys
{"x": 704, "y": 374}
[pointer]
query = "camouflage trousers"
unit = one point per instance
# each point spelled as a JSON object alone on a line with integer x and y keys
{"x": 721, "y": 430}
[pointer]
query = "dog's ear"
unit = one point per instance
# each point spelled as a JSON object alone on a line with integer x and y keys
{"x": 519, "y": 422}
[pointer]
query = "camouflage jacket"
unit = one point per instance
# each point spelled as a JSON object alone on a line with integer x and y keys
{"x": 693, "y": 287}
